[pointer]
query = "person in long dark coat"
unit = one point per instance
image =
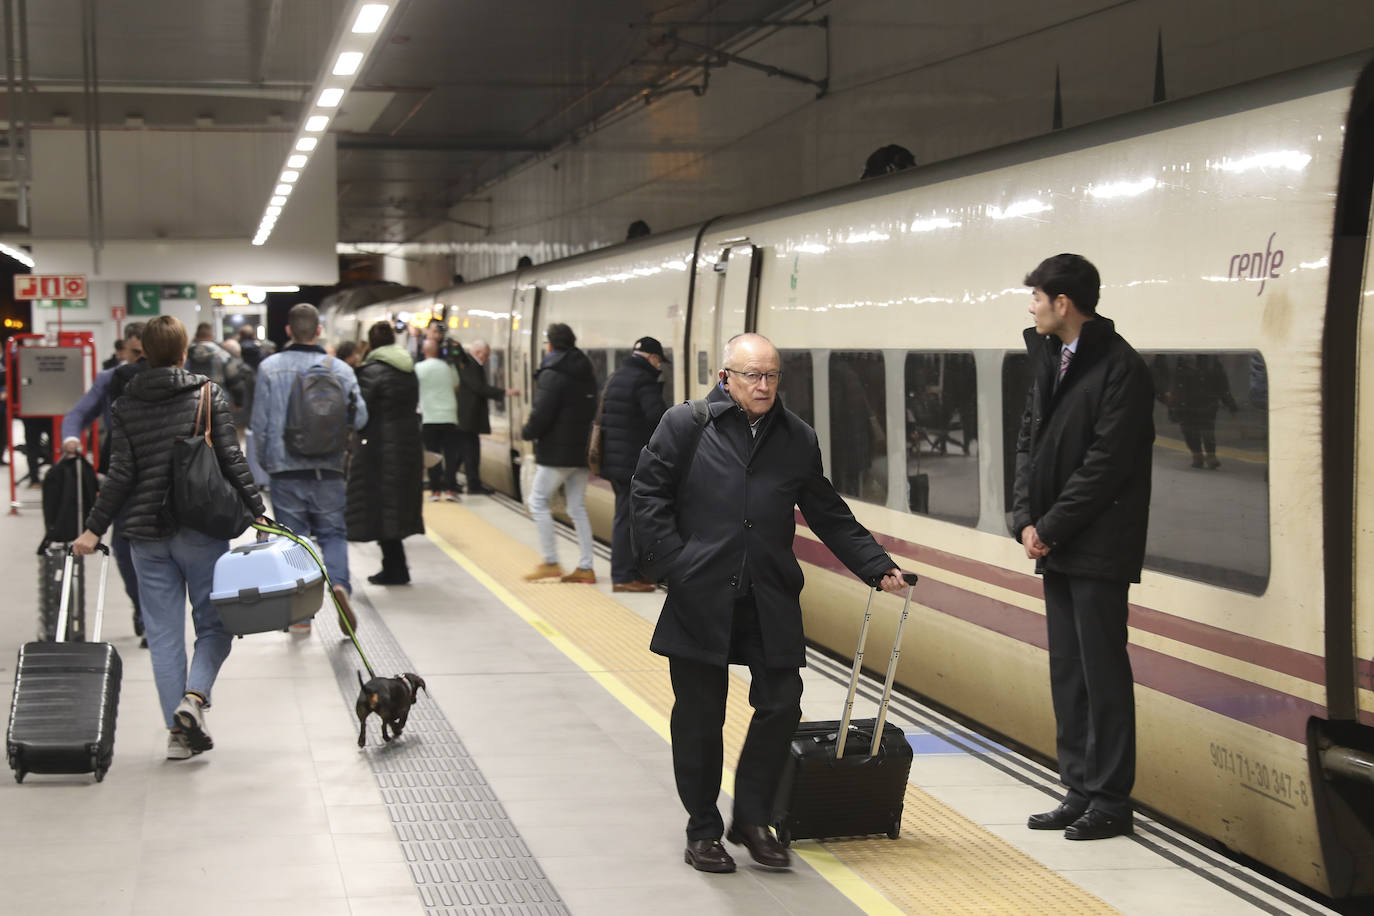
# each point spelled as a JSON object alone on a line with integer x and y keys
{"x": 714, "y": 515}
{"x": 1081, "y": 508}
{"x": 384, "y": 477}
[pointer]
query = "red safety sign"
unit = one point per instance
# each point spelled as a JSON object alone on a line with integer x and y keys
{"x": 118, "y": 312}
{"x": 41, "y": 286}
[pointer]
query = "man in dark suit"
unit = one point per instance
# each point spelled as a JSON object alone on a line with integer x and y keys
{"x": 473, "y": 418}
{"x": 714, "y": 515}
{"x": 1081, "y": 507}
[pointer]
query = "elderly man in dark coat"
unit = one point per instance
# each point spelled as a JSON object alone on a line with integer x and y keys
{"x": 474, "y": 420}
{"x": 1081, "y": 507}
{"x": 714, "y": 515}
{"x": 631, "y": 407}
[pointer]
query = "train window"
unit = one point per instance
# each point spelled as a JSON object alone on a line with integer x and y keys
{"x": 599, "y": 366}
{"x": 798, "y": 383}
{"x": 665, "y": 376}
{"x": 1209, "y": 506}
{"x": 858, "y": 424}
{"x": 496, "y": 375}
{"x": 942, "y": 436}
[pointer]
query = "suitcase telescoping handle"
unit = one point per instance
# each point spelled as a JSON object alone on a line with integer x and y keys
{"x": 891, "y": 671}
{"x": 69, "y": 584}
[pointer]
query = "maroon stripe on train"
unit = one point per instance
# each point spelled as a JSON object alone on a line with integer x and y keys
{"x": 1254, "y": 704}
{"x": 1283, "y": 659}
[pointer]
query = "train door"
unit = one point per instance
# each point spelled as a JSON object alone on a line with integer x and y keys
{"x": 1364, "y": 498}
{"x": 526, "y": 350}
{"x": 723, "y": 312}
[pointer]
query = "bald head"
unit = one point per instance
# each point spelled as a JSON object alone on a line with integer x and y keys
{"x": 750, "y": 370}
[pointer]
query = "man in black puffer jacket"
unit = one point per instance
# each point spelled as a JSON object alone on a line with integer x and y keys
{"x": 173, "y": 562}
{"x": 631, "y": 407}
{"x": 560, "y": 424}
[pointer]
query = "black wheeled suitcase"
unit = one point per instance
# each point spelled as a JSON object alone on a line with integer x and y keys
{"x": 66, "y": 697}
{"x": 826, "y": 792}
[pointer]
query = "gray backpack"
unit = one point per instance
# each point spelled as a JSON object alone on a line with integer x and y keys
{"x": 318, "y": 415}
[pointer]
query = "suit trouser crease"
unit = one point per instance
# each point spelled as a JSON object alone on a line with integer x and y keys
{"x": 1092, "y": 688}
{"x": 700, "y": 691}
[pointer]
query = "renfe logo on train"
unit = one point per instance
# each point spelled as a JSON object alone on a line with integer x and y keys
{"x": 1261, "y": 265}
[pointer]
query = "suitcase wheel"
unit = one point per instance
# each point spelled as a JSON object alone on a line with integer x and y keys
{"x": 19, "y": 775}
{"x": 896, "y": 831}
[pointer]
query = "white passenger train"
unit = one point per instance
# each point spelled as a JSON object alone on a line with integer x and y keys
{"x": 1232, "y": 234}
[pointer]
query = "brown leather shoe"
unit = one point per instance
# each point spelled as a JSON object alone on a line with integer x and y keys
{"x": 764, "y": 848}
{"x": 637, "y": 586}
{"x": 585, "y": 576}
{"x": 345, "y": 610}
{"x": 708, "y": 855}
{"x": 545, "y": 572}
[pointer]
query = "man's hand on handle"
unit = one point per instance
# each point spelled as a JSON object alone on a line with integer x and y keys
{"x": 85, "y": 545}
{"x": 893, "y": 582}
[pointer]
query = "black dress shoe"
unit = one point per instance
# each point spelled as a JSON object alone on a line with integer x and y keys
{"x": 1099, "y": 825}
{"x": 1057, "y": 819}
{"x": 386, "y": 578}
{"x": 764, "y": 848}
{"x": 708, "y": 855}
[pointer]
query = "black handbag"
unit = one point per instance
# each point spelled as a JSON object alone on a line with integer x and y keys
{"x": 201, "y": 497}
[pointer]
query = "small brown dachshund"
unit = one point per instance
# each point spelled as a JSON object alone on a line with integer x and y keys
{"x": 390, "y": 698}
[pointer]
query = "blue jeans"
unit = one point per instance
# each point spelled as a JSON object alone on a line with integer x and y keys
{"x": 316, "y": 508}
{"x": 169, "y": 571}
{"x": 547, "y": 480}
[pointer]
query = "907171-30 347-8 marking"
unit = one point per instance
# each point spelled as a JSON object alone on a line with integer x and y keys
{"x": 1274, "y": 782}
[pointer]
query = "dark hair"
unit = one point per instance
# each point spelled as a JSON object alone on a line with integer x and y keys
{"x": 1070, "y": 275}
{"x": 304, "y": 322}
{"x": 381, "y": 334}
{"x": 134, "y": 329}
{"x": 561, "y": 336}
{"x": 247, "y": 333}
{"x": 164, "y": 341}
{"x": 205, "y": 331}
{"x": 345, "y": 350}
{"x": 887, "y": 159}
{"x": 638, "y": 229}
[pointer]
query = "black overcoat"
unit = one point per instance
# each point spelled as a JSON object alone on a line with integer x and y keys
{"x": 385, "y": 470}
{"x": 1083, "y": 457}
{"x": 562, "y": 410}
{"x": 730, "y": 525}
{"x": 473, "y": 393}
{"x": 631, "y": 407}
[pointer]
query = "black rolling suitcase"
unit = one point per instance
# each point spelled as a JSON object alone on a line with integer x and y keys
{"x": 66, "y": 696}
{"x": 826, "y": 792}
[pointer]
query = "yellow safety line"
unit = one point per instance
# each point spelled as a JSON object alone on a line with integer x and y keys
{"x": 1233, "y": 454}
{"x": 826, "y": 865}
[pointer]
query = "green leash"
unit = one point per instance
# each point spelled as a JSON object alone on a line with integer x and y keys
{"x": 280, "y": 530}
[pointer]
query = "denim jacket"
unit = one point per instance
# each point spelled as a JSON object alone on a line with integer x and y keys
{"x": 276, "y": 377}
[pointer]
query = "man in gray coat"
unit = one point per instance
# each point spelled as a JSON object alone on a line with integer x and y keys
{"x": 714, "y": 515}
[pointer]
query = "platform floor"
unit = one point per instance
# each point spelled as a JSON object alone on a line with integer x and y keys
{"x": 535, "y": 776}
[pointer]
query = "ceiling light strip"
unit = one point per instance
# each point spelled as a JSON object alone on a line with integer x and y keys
{"x": 358, "y": 31}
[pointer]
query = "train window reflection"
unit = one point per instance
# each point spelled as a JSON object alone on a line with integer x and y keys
{"x": 858, "y": 424}
{"x": 496, "y": 375}
{"x": 798, "y": 382}
{"x": 942, "y": 436}
{"x": 600, "y": 366}
{"x": 1209, "y": 504}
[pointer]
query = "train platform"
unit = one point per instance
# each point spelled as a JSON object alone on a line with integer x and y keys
{"x": 534, "y": 776}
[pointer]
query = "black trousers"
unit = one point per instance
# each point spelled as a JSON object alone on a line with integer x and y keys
{"x": 1093, "y": 690}
{"x": 393, "y": 558}
{"x": 624, "y": 568}
{"x": 699, "y": 692}
{"x": 443, "y": 438}
{"x": 470, "y": 454}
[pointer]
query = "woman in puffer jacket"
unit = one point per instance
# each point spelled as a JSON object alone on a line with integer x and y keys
{"x": 384, "y": 477}
{"x": 173, "y": 562}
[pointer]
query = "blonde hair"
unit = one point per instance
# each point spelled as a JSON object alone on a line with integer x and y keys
{"x": 164, "y": 341}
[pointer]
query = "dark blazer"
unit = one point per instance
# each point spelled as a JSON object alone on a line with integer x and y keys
{"x": 1083, "y": 457}
{"x": 631, "y": 407}
{"x": 729, "y": 527}
{"x": 157, "y": 407}
{"x": 473, "y": 393}
{"x": 384, "y": 474}
{"x": 560, "y": 421}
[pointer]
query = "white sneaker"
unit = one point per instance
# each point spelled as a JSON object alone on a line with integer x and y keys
{"x": 452, "y": 497}
{"x": 178, "y": 748}
{"x": 191, "y": 718}
{"x": 434, "y": 496}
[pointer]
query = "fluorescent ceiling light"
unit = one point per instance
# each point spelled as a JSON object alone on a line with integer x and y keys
{"x": 259, "y": 240}
{"x": 348, "y": 63}
{"x": 1114, "y": 189}
{"x": 369, "y": 17}
{"x": 1020, "y": 208}
{"x": 282, "y": 189}
{"x": 331, "y": 97}
{"x": 306, "y": 144}
{"x": 316, "y": 123}
{"x": 277, "y": 200}
{"x": 272, "y": 211}
{"x": 290, "y": 175}
{"x": 20, "y": 256}
{"x": 297, "y": 162}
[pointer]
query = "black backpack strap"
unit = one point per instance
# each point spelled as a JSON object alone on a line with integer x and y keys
{"x": 701, "y": 415}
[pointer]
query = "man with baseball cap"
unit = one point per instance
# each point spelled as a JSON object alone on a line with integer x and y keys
{"x": 631, "y": 406}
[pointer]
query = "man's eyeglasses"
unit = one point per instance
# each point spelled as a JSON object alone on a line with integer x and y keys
{"x": 753, "y": 378}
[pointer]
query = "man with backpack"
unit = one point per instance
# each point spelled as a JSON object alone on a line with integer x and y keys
{"x": 305, "y": 406}
{"x": 209, "y": 358}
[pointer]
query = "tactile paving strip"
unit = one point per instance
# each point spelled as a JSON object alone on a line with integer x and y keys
{"x": 464, "y": 854}
{"x": 943, "y": 862}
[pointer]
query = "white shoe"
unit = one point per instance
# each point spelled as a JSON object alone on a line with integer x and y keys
{"x": 190, "y": 717}
{"x": 434, "y": 496}
{"x": 178, "y": 748}
{"x": 452, "y": 497}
